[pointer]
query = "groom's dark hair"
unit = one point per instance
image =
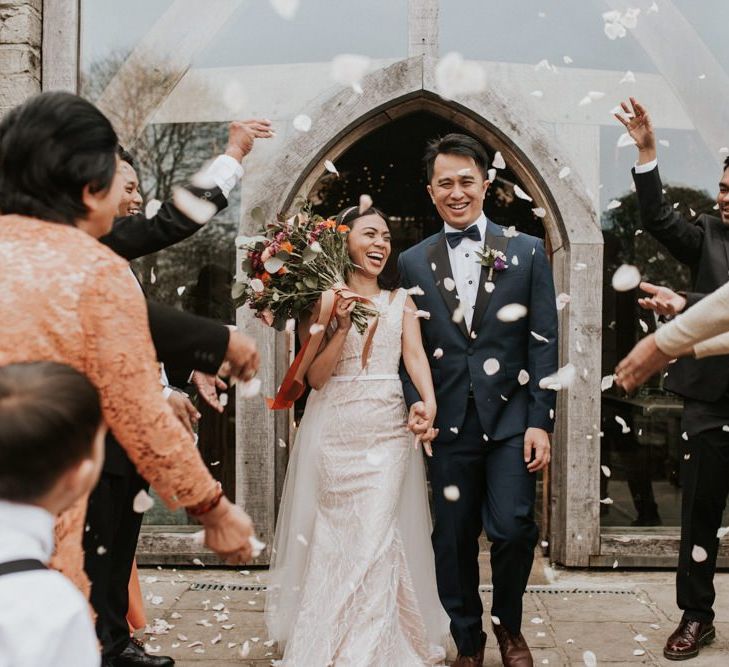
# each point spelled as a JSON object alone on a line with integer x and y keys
{"x": 455, "y": 144}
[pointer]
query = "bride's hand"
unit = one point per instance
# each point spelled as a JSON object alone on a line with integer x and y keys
{"x": 343, "y": 313}
{"x": 420, "y": 422}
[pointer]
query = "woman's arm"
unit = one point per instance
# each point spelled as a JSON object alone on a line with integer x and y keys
{"x": 330, "y": 352}
{"x": 416, "y": 361}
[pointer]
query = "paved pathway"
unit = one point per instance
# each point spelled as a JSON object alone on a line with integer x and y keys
{"x": 623, "y": 617}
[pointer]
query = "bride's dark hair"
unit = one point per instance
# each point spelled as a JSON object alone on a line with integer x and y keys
{"x": 349, "y": 216}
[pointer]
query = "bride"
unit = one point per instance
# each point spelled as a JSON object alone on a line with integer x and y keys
{"x": 352, "y": 571}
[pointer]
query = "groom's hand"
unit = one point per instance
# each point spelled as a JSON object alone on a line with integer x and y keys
{"x": 536, "y": 440}
{"x": 418, "y": 418}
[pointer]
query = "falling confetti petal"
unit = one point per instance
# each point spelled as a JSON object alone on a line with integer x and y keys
{"x": 637, "y": 651}
{"x": 457, "y": 315}
{"x": 626, "y": 278}
{"x": 496, "y": 620}
{"x": 565, "y": 172}
{"x": 257, "y": 546}
{"x": 491, "y": 175}
{"x": 316, "y": 328}
{"x": 563, "y": 378}
{"x": 537, "y": 620}
{"x": 424, "y": 314}
{"x": 625, "y": 140}
{"x": 180, "y": 290}
{"x": 329, "y": 166}
{"x": 643, "y": 326}
{"x": 510, "y": 232}
{"x": 449, "y": 283}
{"x": 665, "y": 143}
{"x": 607, "y": 382}
{"x": 491, "y": 366}
{"x": 286, "y": 9}
{"x": 539, "y": 337}
{"x": 302, "y": 123}
{"x": 250, "y": 389}
{"x": 498, "y": 161}
{"x": 699, "y": 554}
{"x": 640, "y": 638}
{"x": 606, "y": 471}
{"x": 300, "y": 538}
{"x": 567, "y": 60}
{"x": 521, "y": 194}
{"x": 451, "y": 493}
{"x": 454, "y": 429}
{"x": 416, "y": 291}
{"x": 455, "y": 76}
{"x": 198, "y": 562}
{"x": 245, "y": 649}
{"x": 438, "y": 353}
{"x": 606, "y": 501}
{"x": 629, "y": 77}
{"x": 152, "y": 208}
{"x": 562, "y": 300}
{"x": 721, "y": 532}
{"x": 539, "y": 212}
{"x": 489, "y": 286}
{"x": 614, "y": 203}
{"x": 588, "y": 657}
{"x": 511, "y": 312}
{"x": 349, "y": 70}
{"x": 198, "y": 210}
{"x": 142, "y": 502}
{"x": 625, "y": 428}
{"x": 523, "y": 377}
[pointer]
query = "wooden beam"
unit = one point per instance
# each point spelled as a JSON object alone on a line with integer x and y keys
{"x": 61, "y": 39}
{"x": 423, "y": 28}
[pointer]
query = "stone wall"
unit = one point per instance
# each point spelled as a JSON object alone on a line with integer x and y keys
{"x": 20, "y": 51}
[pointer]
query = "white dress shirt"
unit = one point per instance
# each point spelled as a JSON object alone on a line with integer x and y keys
{"x": 225, "y": 171}
{"x": 466, "y": 267}
{"x": 646, "y": 166}
{"x": 44, "y": 619}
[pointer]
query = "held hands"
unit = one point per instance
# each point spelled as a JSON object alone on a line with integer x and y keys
{"x": 537, "y": 440}
{"x": 184, "y": 410}
{"x": 207, "y": 386}
{"x": 343, "y": 313}
{"x": 228, "y": 530}
{"x": 242, "y": 134}
{"x": 644, "y": 360}
{"x": 640, "y": 128}
{"x": 420, "y": 422}
{"x": 662, "y": 300}
{"x": 241, "y": 358}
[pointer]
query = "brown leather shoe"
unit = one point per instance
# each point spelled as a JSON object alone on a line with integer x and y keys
{"x": 687, "y": 639}
{"x": 472, "y": 660}
{"x": 514, "y": 649}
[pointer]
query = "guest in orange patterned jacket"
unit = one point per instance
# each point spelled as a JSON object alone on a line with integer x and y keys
{"x": 65, "y": 297}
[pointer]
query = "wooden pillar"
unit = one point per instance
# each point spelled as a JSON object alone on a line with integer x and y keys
{"x": 61, "y": 39}
{"x": 423, "y": 28}
{"x": 20, "y": 51}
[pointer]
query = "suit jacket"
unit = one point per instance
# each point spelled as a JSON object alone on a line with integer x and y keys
{"x": 704, "y": 247}
{"x": 505, "y": 407}
{"x": 183, "y": 342}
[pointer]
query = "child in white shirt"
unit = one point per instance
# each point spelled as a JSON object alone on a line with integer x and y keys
{"x": 51, "y": 450}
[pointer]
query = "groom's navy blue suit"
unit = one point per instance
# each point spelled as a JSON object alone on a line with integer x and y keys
{"x": 482, "y": 419}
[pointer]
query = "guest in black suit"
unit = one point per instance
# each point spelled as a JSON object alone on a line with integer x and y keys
{"x": 703, "y": 246}
{"x": 493, "y": 419}
{"x": 184, "y": 342}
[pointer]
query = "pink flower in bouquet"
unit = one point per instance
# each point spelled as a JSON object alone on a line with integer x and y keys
{"x": 266, "y": 315}
{"x": 266, "y": 254}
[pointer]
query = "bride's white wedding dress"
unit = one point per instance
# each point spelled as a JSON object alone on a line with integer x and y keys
{"x": 352, "y": 571}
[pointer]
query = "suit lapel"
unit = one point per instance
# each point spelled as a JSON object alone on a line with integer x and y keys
{"x": 438, "y": 256}
{"x": 496, "y": 241}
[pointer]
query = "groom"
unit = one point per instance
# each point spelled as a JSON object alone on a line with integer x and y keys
{"x": 493, "y": 419}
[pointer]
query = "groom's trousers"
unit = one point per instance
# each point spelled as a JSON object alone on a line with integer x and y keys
{"x": 497, "y": 494}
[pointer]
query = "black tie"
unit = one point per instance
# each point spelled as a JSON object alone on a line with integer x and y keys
{"x": 454, "y": 238}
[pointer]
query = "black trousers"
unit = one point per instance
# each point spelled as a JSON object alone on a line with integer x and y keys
{"x": 497, "y": 494}
{"x": 705, "y": 482}
{"x": 113, "y": 525}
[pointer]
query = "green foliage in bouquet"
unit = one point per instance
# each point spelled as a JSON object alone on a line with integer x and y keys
{"x": 289, "y": 265}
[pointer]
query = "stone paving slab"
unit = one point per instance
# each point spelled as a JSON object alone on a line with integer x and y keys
{"x": 579, "y": 610}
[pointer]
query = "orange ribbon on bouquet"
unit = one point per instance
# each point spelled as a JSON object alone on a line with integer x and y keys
{"x": 294, "y": 382}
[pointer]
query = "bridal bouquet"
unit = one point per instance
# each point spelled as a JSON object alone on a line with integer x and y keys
{"x": 290, "y": 264}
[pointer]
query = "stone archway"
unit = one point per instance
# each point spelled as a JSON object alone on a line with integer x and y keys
{"x": 575, "y": 239}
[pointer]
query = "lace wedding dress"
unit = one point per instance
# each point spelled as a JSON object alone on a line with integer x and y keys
{"x": 352, "y": 572}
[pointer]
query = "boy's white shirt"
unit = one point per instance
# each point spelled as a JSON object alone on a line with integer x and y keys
{"x": 44, "y": 618}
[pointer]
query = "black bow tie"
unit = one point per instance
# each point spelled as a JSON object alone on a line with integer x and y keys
{"x": 454, "y": 238}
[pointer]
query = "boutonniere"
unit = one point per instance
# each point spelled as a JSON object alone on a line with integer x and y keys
{"x": 494, "y": 260}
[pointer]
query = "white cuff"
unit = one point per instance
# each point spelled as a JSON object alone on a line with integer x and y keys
{"x": 225, "y": 171}
{"x": 166, "y": 391}
{"x": 646, "y": 166}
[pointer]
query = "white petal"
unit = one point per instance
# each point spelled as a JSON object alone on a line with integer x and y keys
{"x": 223, "y": 399}
{"x": 245, "y": 649}
{"x": 496, "y": 620}
{"x": 489, "y": 286}
{"x": 152, "y": 207}
{"x": 286, "y": 9}
{"x": 198, "y": 210}
{"x": 511, "y": 312}
{"x": 458, "y": 315}
{"x": 636, "y": 651}
{"x": 316, "y": 328}
{"x": 561, "y": 379}
{"x": 625, "y": 140}
{"x": 302, "y": 123}
{"x": 640, "y": 638}
{"x": 643, "y": 326}
{"x": 698, "y": 554}
{"x": 302, "y": 540}
{"x": 580, "y": 266}
{"x": 498, "y": 161}
{"x": 537, "y": 620}
{"x": 665, "y": 143}
{"x": 422, "y": 314}
{"x": 491, "y": 366}
{"x": 438, "y": 353}
{"x": 180, "y": 290}
{"x": 510, "y": 232}
{"x": 451, "y": 493}
{"x": 624, "y": 426}
{"x": 416, "y": 291}
{"x": 349, "y": 70}
{"x": 562, "y": 300}
{"x": 249, "y": 389}
{"x": 523, "y": 377}
{"x": 491, "y": 175}
{"x": 721, "y": 532}
{"x": 606, "y": 501}
{"x": 584, "y": 101}
{"x": 588, "y": 657}
{"x": 565, "y": 172}
{"x": 567, "y": 60}
{"x": 539, "y": 212}
{"x": 595, "y": 95}
{"x": 629, "y": 77}
{"x": 630, "y": 18}
{"x": 455, "y": 76}
{"x": 142, "y": 502}
{"x": 607, "y": 382}
{"x": 449, "y": 283}
{"x": 614, "y": 203}
{"x": 515, "y": 261}
{"x": 539, "y": 337}
{"x": 521, "y": 194}
{"x": 329, "y": 166}
{"x": 626, "y": 278}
